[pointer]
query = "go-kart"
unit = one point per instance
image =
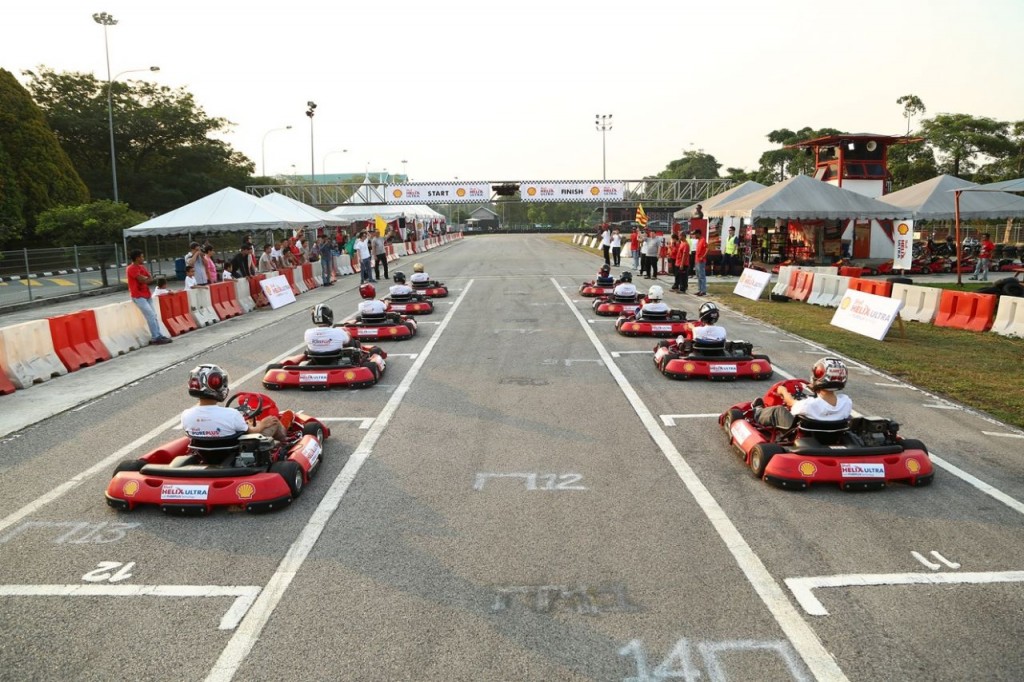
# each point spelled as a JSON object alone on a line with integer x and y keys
{"x": 251, "y": 471}
{"x": 349, "y": 367}
{"x": 861, "y": 453}
{"x": 672, "y": 323}
{"x": 602, "y": 286}
{"x": 431, "y": 288}
{"x": 414, "y": 304}
{"x": 612, "y": 305}
{"x": 714, "y": 360}
{"x": 387, "y": 326}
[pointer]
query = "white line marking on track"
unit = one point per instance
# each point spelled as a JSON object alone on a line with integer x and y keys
{"x": 411, "y": 356}
{"x": 620, "y": 353}
{"x": 997, "y": 434}
{"x": 937, "y": 406}
{"x": 939, "y": 557}
{"x": 803, "y": 588}
{"x": 925, "y": 562}
{"x": 818, "y": 659}
{"x": 364, "y": 422}
{"x": 245, "y": 637}
{"x": 989, "y": 490}
{"x": 244, "y": 595}
{"x": 670, "y": 419}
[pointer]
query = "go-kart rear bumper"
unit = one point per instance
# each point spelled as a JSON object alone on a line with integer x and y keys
{"x": 798, "y": 472}
{"x": 264, "y": 491}
{"x": 717, "y": 369}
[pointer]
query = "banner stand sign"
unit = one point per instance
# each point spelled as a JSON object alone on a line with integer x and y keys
{"x": 903, "y": 239}
{"x": 867, "y": 314}
{"x": 278, "y": 291}
{"x": 752, "y": 283}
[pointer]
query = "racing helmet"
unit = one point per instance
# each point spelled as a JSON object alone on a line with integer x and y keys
{"x": 655, "y": 293}
{"x": 708, "y": 313}
{"x": 605, "y": 270}
{"x": 417, "y": 267}
{"x": 323, "y": 315}
{"x": 368, "y": 291}
{"x": 829, "y": 373}
{"x": 626, "y": 277}
{"x": 399, "y": 277}
{"x": 208, "y": 381}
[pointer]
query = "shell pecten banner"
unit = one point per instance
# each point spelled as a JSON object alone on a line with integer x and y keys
{"x": 439, "y": 193}
{"x": 595, "y": 190}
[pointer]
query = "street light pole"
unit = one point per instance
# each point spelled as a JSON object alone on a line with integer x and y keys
{"x": 603, "y": 123}
{"x": 312, "y": 162}
{"x": 263, "y": 151}
{"x": 105, "y": 20}
{"x": 404, "y": 174}
{"x": 323, "y": 164}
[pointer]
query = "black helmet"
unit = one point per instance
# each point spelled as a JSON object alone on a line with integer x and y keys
{"x": 399, "y": 277}
{"x": 626, "y": 277}
{"x": 208, "y": 381}
{"x": 829, "y": 373}
{"x": 323, "y": 315}
{"x": 605, "y": 269}
{"x": 708, "y": 313}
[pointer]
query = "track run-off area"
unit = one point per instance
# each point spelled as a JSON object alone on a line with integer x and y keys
{"x": 523, "y": 496}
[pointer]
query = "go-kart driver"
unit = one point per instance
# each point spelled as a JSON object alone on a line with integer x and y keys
{"x": 654, "y": 306}
{"x": 325, "y": 337}
{"x": 828, "y": 375}
{"x": 604, "y": 276}
{"x": 418, "y": 276}
{"x": 625, "y": 290}
{"x": 209, "y": 383}
{"x": 400, "y": 291}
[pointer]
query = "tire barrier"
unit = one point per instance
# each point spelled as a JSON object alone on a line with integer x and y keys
{"x": 920, "y": 304}
{"x": 870, "y": 286}
{"x": 119, "y": 330}
{"x": 201, "y": 304}
{"x": 243, "y": 296}
{"x": 27, "y": 354}
{"x": 1009, "y": 319}
{"x": 222, "y": 298}
{"x": 76, "y": 340}
{"x": 963, "y": 310}
{"x": 256, "y": 292}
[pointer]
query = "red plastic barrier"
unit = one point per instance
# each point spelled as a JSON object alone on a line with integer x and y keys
{"x": 850, "y": 271}
{"x": 289, "y": 275}
{"x": 800, "y": 283}
{"x": 871, "y": 286}
{"x": 181, "y": 313}
{"x": 256, "y": 291}
{"x": 76, "y": 340}
{"x": 963, "y": 310}
{"x": 222, "y": 295}
{"x": 307, "y": 276}
{"x": 5, "y": 384}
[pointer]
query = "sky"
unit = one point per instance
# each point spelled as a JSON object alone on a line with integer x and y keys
{"x": 481, "y": 91}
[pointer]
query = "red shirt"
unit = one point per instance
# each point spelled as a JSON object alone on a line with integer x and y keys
{"x": 137, "y": 289}
{"x": 986, "y": 249}
{"x": 634, "y": 240}
{"x": 683, "y": 254}
{"x": 702, "y": 251}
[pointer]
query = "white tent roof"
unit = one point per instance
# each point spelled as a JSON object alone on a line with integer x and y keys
{"x": 313, "y": 213}
{"x": 368, "y": 193}
{"x": 350, "y": 214}
{"x": 742, "y": 190}
{"x": 1004, "y": 186}
{"x": 803, "y": 197}
{"x": 933, "y": 200}
{"x": 228, "y": 210}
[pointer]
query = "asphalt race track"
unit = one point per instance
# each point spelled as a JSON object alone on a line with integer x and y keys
{"x": 522, "y": 497}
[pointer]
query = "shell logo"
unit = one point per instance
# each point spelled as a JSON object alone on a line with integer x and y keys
{"x": 807, "y": 468}
{"x": 349, "y": 376}
{"x": 594, "y": 191}
{"x": 281, "y": 376}
{"x": 846, "y": 303}
{"x": 245, "y": 491}
{"x": 903, "y": 229}
{"x": 396, "y": 193}
{"x": 130, "y": 488}
{"x": 531, "y": 192}
{"x": 392, "y": 331}
{"x": 755, "y": 367}
{"x": 636, "y": 327}
{"x": 689, "y": 367}
{"x": 460, "y": 192}
{"x": 913, "y": 466}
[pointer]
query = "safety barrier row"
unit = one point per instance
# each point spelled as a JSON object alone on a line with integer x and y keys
{"x": 27, "y": 354}
{"x": 828, "y": 290}
{"x": 76, "y": 340}
{"x": 920, "y": 304}
{"x": 201, "y": 304}
{"x": 965, "y": 310}
{"x": 122, "y": 328}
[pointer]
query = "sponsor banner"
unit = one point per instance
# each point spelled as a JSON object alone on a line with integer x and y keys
{"x": 903, "y": 236}
{"x": 278, "y": 291}
{"x": 596, "y": 190}
{"x": 752, "y": 283}
{"x": 179, "y": 491}
{"x": 867, "y": 314}
{"x": 439, "y": 193}
{"x": 862, "y": 470}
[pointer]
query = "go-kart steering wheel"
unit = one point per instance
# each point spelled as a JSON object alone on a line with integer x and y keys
{"x": 250, "y": 408}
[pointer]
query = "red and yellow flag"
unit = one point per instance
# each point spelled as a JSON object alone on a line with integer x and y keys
{"x": 641, "y": 217}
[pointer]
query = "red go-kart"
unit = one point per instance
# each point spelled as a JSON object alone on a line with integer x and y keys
{"x": 613, "y": 305}
{"x": 602, "y": 286}
{"x": 414, "y": 304}
{"x": 861, "y": 453}
{"x": 714, "y": 360}
{"x": 672, "y": 323}
{"x": 430, "y": 288}
{"x": 251, "y": 471}
{"x": 387, "y": 326}
{"x": 350, "y": 367}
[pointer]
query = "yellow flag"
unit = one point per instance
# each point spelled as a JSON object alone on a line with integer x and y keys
{"x": 641, "y": 217}
{"x": 381, "y": 225}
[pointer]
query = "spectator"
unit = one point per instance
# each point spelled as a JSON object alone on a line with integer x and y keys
{"x": 241, "y": 262}
{"x": 616, "y": 247}
{"x": 380, "y": 255}
{"x": 682, "y": 265}
{"x": 277, "y": 255}
{"x": 266, "y": 260}
{"x": 161, "y": 287}
{"x": 139, "y": 280}
{"x": 701, "y": 258}
{"x": 651, "y": 249}
{"x": 730, "y": 251}
{"x": 190, "y": 277}
{"x": 634, "y": 247}
{"x": 985, "y": 250}
{"x": 210, "y": 263}
{"x": 325, "y": 249}
{"x": 350, "y": 249}
{"x": 228, "y": 273}
{"x": 606, "y": 243}
{"x": 362, "y": 248}
{"x": 197, "y": 260}
{"x": 766, "y": 242}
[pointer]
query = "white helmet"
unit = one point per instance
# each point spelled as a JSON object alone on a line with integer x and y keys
{"x": 656, "y": 293}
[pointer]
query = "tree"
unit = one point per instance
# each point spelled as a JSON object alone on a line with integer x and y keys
{"x": 912, "y": 106}
{"x": 693, "y": 164}
{"x": 166, "y": 156}
{"x": 97, "y": 224}
{"x": 910, "y": 164}
{"x": 961, "y": 138}
{"x": 32, "y": 164}
{"x": 778, "y": 164}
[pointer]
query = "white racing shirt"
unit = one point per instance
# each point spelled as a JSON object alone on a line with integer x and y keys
{"x": 372, "y": 308}
{"x": 321, "y": 339}
{"x": 708, "y": 333}
{"x": 625, "y": 290}
{"x": 401, "y": 290}
{"x": 419, "y": 277}
{"x": 213, "y": 421}
{"x": 818, "y": 408}
{"x": 657, "y": 308}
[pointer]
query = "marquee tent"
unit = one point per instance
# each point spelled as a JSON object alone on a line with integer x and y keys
{"x": 804, "y": 198}
{"x": 933, "y": 200}
{"x": 315, "y": 214}
{"x": 350, "y": 214}
{"x": 228, "y": 210}
{"x": 736, "y": 192}
{"x": 1004, "y": 186}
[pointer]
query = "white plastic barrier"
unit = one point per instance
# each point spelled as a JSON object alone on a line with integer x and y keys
{"x": 27, "y": 355}
{"x": 119, "y": 330}
{"x": 841, "y": 284}
{"x": 821, "y": 289}
{"x": 576, "y": 238}
{"x": 345, "y": 265}
{"x": 785, "y": 273}
{"x": 400, "y": 249}
{"x": 300, "y": 283}
{"x": 243, "y": 295}
{"x": 155, "y": 302}
{"x": 1009, "y": 316}
{"x": 201, "y": 303}
{"x": 920, "y": 304}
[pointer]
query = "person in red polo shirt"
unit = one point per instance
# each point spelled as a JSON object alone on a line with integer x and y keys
{"x": 985, "y": 251}
{"x": 139, "y": 280}
{"x": 700, "y": 258}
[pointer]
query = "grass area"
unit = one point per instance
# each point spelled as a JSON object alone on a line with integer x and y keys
{"x": 981, "y": 370}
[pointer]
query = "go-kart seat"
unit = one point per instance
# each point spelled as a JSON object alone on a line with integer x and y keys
{"x": 624, "y": 299}
{"x": 375, "y": 319}
{"x": 346, "y": 355}
{"x": 401, "y": 298}
{"x": 214, "y": 451}
{"x": 604, "y": 281}
{"x": 703, "y": 347}
{"x": 825, "y": 432}
{"x": 647, "y": 316}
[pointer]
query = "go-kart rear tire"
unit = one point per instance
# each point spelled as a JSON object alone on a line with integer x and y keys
{"x": 760, "y": 455}
{"x": 315, "y": 430}
{"x": 734, "y": 414}
{"x": 291, "y": 472}
{"x": 130, "y": 465}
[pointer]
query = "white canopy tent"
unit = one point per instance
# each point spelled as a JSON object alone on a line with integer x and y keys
{"x": 803, "y": 197}
{"x": 934, "y": 200}
{"x": 228, "y": 210}
{"x": 419, "y": 212}
{"x": 736, "y": 192}
{"x": 315, "y": 214}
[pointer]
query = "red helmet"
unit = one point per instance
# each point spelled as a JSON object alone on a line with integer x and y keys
{"x": 829, "y": 373}
{"x": 367, "y": 291}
